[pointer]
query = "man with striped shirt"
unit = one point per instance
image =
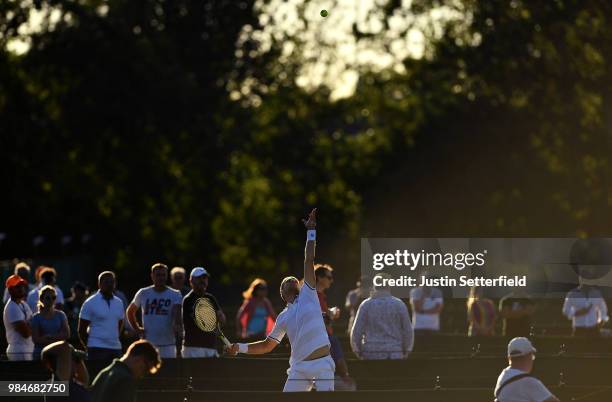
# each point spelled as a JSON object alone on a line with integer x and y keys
{"x": 310, "y": 364}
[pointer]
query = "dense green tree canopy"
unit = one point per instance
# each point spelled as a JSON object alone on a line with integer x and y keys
{"x": 198, "y": 132}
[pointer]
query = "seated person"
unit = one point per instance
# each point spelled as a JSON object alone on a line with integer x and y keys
{"x": 65, "y": 363}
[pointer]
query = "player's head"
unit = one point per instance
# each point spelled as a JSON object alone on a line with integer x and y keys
{"x": 159, "y": 274}
{"x": 106, "y": 282}
{"x": 289, "y": 289}
{"x": 199, "y": 280}
{"x": 324, "y": 276}
{"x": 521, "y": 354}
{"x": 143, "y": 358}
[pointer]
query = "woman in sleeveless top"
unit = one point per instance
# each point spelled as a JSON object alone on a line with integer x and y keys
{"x": 256, "y": 315}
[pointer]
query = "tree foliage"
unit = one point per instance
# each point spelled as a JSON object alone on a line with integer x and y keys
{"x": 183, "y": 131}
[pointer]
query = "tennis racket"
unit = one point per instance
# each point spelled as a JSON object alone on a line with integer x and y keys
{"x": 205, "y": 317}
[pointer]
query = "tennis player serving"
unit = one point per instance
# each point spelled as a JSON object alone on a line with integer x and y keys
{"x": 310, "y": 362}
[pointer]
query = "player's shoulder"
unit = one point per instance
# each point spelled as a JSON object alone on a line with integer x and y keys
{"x": 282, "y": 316}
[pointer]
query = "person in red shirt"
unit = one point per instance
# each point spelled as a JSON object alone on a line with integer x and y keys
{"x": 324, "y": 277}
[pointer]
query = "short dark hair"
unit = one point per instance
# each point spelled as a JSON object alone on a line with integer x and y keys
{"x": 322, "y": 270}
{"x": 145, "y": 349}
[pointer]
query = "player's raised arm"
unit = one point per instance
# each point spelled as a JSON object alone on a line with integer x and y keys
{"x": 309, "y": 252}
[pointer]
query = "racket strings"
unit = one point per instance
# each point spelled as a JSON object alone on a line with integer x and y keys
{"x": 205, "y": 315}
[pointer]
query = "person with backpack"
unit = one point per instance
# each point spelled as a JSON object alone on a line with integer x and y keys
{"x": 515, "y": 383}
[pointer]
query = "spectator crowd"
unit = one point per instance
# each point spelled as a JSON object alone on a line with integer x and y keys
{"x": 41, "y": 324}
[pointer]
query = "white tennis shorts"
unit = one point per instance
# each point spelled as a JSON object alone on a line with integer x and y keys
{"x": 311, "y": 375}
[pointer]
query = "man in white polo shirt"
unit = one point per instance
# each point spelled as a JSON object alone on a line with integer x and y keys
{"x": 587, "y": 309}
{"x": 310, "y": 363}
{"x": 101, "y": 320}
{"x": 515, "y": 383}
{"x": 161, "y": 312}
{"x": 16, "y": 318}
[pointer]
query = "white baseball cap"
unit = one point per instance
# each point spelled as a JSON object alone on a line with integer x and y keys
{"x": 198, "y": 271}
{"x": 520, "y": 346}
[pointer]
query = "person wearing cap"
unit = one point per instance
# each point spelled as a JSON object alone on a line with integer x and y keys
{"x": 160, "y": 307}
{"x": 17, "y": 317}
{"x": 23, "y": 270}
{"x": 515, "y": 383}
{"x": 197, "y": 343}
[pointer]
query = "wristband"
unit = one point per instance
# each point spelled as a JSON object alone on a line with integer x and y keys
{"x": 311, "y": 234}
{"x": 243, "y": 348}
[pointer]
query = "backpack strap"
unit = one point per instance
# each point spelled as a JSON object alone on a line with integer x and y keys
{"x": 510, "y": 381}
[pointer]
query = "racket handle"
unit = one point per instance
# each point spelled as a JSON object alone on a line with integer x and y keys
{"x": 225, "y": 341}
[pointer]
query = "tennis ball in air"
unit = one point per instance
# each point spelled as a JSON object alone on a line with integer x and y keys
{"x": 324, "y": 13}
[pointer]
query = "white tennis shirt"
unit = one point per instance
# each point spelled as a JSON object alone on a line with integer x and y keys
{"x": 302, "y": 321}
